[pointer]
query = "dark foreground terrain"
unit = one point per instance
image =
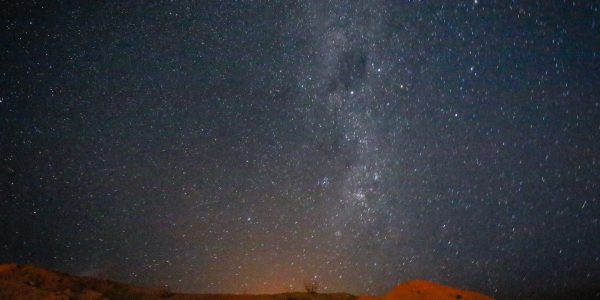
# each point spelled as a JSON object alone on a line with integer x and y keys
{"x": 29, "y": 282}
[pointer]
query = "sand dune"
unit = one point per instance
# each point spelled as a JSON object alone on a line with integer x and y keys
{"x": 425, "y": 290}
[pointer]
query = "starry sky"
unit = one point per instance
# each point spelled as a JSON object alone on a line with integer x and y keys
{"x": 246, "y": 147}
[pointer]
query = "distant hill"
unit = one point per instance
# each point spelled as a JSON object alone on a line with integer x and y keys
{"x": 29, "y": 282}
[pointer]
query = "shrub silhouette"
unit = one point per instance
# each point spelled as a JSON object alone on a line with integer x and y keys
{"x": 311, "y": 286}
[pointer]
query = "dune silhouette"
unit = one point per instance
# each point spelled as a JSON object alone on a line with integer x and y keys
{"x": 426, "y": 290}
{"x": 30, "y": 282}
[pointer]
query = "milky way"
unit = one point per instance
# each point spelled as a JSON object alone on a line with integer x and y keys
{"x": 249, "y": 147}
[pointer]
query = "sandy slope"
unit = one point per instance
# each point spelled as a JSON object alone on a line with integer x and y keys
{"x": 425, "y": 290}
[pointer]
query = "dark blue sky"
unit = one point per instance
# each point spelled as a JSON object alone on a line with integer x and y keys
{"x": 247, "y": 146}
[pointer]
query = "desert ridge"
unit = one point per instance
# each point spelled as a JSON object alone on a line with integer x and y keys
{"x": 30, "y": 282}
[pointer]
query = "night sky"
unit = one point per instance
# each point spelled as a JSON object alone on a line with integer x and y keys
{"x": 250, "y": 146}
